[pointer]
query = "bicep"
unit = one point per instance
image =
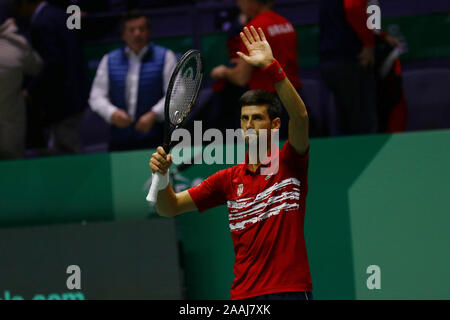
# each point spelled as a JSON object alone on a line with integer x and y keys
{"x": 185, "y": 202}
{"x": 299, "y": 135}
{"x": 100, "y": 85}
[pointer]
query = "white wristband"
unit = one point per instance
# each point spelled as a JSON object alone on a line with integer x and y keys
{"x": 163, "y": 182}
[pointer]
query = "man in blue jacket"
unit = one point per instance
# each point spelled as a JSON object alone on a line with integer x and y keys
{"x": 129, "y": 88}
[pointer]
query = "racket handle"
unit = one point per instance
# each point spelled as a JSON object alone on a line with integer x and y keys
{"x": 154, "y": 188}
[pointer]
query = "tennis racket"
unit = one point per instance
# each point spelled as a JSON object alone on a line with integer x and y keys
{"x": 181, "y": 94}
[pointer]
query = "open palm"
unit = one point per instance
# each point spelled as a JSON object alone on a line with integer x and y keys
{"x": 259, "y": 51}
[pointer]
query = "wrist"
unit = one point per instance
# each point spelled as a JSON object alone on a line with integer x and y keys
{"x": 268, "y": 63}
{"x": 163, "y": 182}
{"x": 275, "y": 71}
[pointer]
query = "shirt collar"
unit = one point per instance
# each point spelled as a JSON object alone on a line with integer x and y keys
{"x": 38, "y": 10}
{"x": 130, "y": 53}
{"x": 272, "y": 157}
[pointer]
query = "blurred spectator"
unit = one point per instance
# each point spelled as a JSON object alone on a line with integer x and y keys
{"x": 90, "y": 6}
{"x": 391, "y": 101}
{"x": 59, "y": 90}
{"x": 283, "y": 39}
{"x": 130, "y": 85}
{"x": 347, "y": 63}
{"x": 224, "y": 113}
{"x": 120, "y": 6}
{"x": 17, "y": 59}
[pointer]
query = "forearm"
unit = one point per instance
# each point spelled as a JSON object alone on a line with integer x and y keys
{"x": 298, "y": 115}
{"x": 166, "y": 204}
{"x": 99, "y": 96}
{"x": 158, "y": 109}
{"x": 102, "y": 106}
{"x": 291, "y": 100}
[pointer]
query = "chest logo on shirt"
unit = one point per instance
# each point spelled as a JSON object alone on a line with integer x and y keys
{"x": 240, "y": 189}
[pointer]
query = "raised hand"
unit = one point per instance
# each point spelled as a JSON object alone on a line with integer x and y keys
{"x": 259, "y": 51}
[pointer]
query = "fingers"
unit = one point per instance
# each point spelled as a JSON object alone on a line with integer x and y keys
{"x": 160, "y": 165}
{"x": 255, "y": 34}
{"x": 121, "y": 119}
{"x": 156, "y": 166}
{"x": 249, "y": 35}
{"x": 143, "y": 126}
{"x": 244, "y": 40}
{"x": 262, "y": 35}
{"x": 161, "y": 151}
{"x": 160, "y": 161}
{"x": 243, "y": 56}
{"x": 139, "y": 126}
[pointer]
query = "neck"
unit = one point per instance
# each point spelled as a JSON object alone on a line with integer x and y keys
{"x": 136, "y": 51}
{"x": 254, "y": 167}
{"x": 261, "y": 9}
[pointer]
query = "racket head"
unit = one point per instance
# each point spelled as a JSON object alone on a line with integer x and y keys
{"x": 182, "y": 91}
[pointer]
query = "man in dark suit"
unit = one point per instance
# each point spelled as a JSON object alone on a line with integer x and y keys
{"x": 347, "y": 63}
{"x": 60, "y": 89}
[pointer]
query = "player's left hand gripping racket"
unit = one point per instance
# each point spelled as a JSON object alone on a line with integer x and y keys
{"x": 181, "y": 94}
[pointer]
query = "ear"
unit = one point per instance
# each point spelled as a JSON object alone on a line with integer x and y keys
{"x": 276, "y": 123}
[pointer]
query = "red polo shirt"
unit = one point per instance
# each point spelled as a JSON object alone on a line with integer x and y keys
{"x": 266, "y": 214}
{"x": 282, "y": 38}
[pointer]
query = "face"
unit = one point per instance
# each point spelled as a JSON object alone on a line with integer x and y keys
{"x": 24, "y": 9}
{"x": 247, "y": 7}
{"x": 136, "y": 34}
{"x": 257, "y": 117}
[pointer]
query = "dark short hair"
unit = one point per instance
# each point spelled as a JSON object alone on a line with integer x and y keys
{"x": 262, "y": 98}
{"x": 132, "y": 15}
{"x": 18, "y": 3}
{"x": 269, "y": 2}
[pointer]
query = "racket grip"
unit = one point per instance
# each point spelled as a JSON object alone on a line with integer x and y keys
{"x": 159, "y": 182}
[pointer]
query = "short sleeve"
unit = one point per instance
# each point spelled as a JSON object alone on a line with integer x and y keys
{"x": 296, "y": 163}
{"x": 211, "y": 192}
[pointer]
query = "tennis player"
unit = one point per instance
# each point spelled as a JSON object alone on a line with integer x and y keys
{"x": 266, "y": 212}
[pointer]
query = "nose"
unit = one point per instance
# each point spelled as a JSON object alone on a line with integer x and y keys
{"x": 249, "y": 124}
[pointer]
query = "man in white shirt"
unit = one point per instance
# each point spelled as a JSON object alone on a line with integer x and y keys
{"x": 130, "y": 85}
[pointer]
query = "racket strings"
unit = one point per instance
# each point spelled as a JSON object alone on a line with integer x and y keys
{"x": 185, "y": 90}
